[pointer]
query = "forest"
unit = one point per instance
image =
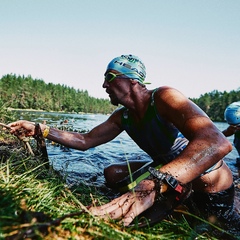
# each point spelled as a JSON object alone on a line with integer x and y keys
{"x": 24, "y": 92}
{"x": 27, "y": 93}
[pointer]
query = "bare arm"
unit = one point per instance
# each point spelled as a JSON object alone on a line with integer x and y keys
{"x": 207, "y": 145}
{"x": 98, "y": 135}
{"x": 230, "y": 130}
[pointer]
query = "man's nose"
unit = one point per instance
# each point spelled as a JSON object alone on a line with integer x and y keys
{"x": 105, "y": 84}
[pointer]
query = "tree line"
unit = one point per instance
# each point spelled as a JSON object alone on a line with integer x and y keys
{"x": 28, "y": 93}
{"x": 215, "y": 103}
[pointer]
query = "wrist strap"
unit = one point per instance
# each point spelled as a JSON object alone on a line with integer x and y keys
{"x": 171, "y": 181}
{"x": 41, "y": 144}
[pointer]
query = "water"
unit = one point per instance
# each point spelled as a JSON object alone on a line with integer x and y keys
{"x": 77, "y": 166}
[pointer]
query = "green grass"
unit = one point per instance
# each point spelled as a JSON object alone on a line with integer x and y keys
{"x": 32, "y": 197}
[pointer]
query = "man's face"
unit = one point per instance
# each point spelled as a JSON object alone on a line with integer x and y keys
{"x": 116, "y": 86}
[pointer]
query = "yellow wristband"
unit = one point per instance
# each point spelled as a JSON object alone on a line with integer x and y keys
{"x": 46, "y": 131}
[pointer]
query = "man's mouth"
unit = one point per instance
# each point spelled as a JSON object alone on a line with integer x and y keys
{"x": 108, "y": 92}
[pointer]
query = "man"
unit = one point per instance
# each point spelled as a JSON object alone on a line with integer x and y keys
{"x": 184, "y": 144}
{"x": 232, "y": 116}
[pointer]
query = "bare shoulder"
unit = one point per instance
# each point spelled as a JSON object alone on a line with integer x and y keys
{"x": 176, "y": 108}
{"x": 167, "y": 94}
{"x": 168, "y": 98}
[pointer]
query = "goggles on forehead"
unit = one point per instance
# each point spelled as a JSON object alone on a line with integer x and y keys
{"x": 109, "y": 77}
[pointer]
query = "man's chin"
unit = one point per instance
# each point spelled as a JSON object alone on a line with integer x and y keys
{"x": 114, "y": 102}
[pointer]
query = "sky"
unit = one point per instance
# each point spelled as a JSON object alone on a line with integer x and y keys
{"x": 193, "y": 46}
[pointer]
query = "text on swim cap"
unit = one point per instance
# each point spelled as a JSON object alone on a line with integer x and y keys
{"x": 130, "y": 67}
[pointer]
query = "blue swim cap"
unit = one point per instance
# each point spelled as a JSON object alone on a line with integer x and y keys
{"x": 130, "y": 65}
{"x": 232, "y": 113}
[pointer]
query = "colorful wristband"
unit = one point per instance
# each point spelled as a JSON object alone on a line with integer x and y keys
{"x": 46, "y": 131}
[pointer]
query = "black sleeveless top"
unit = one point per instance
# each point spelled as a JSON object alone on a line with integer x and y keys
{"x": 157, "y": 137}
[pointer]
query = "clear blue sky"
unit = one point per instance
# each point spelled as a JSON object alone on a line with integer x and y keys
{"x": 191, "y": 45}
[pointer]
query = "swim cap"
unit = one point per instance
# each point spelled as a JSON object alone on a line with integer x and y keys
{"x": 130, "y": 65}
{"x": 232, "y": 113}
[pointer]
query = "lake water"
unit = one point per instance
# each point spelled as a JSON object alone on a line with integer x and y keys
{"x": 77, "y": 166}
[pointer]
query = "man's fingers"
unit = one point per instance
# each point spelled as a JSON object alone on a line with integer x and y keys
{"x": 127, "y": 207}
{"x": 116, "y": 209}
{"x": 111, "y": 206}
{"x": 138, "y": 207}
{"x": 5, "y": 126}
{"x": 21, "y": 130}
{"x": 15, "y": 124}
{"x": 14, "y": 128}
{"x": 135, "y": 204}
{"x": 122, "y": 209}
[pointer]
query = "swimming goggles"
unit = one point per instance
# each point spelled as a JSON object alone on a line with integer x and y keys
{"x": 109, "y": 77}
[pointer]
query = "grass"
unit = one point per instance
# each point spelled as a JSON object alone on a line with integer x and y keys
{"x": 36, "y": 203}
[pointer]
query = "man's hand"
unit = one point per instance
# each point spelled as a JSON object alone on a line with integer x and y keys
{"x": 129, "y": 205}
{"x": 22, "y": 128}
